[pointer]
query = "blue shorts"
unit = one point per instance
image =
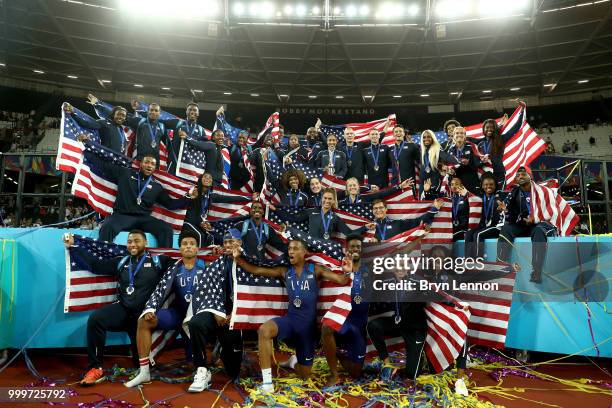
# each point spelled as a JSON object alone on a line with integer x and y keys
{"x": 297, "y": 334}
{"x": 352, "y": 339}
{"x": 169, "y": 319}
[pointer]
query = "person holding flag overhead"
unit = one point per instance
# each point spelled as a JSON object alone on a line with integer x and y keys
{"x": 302, "y": 280}
{"x": 185, "y": 129}
{"x": 181, "y": 280}
{"x": 214, "y": 155}
{"x": 259, "y": 158}
{"x": 137, "y": 274}
{"x": 385, "y": 228}
{"x": 112, "y": 134}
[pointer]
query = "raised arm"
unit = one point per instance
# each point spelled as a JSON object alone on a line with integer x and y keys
{"x": 339, "y": 278}
{"x": 99, "y": 267}
{"x": 275, "y": 272}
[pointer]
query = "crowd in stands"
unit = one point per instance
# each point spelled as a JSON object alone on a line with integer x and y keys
{"x": 22, "y": 131}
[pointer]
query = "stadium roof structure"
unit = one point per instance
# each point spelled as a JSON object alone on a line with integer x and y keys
{"x": 553, "y": 47}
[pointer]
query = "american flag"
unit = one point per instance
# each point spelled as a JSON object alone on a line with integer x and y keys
{"x": 523, "y": 147}
{"x": 362, "y": 130}
{"x": 548, "y": 205}
{"x": 91, "y": 184}
{"x": 230, "y": 131}
{"x": 220, "y": 211}
{"x": 446, "y": 333}
{"x": 272, "y": 127}
{"x": 259, "y": 299}
{"x": 191, "y": 162}
{"x": 88, "y": 291}
{"x": 69, "y": 151}
{"x": 490, "y": 310}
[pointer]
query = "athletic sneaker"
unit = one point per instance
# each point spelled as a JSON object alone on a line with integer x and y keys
{"x": 461, "y": 388}
{"x": 290, "y": 363}
{"x": 201, "y": 380}
{"x": 94, "y": 376}
{"x": 265, "y": 388}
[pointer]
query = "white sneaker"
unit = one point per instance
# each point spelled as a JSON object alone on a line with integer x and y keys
{"x": 139, "y": 379}
{"x": 267, "y": 388}
{"x": 461, "y": 388}
{"x": 289, "y": 363}
{"x": 201, "y": 380}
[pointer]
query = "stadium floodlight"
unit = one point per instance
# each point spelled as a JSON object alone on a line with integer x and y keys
{"x": 413, "y": 10}
{"x": 549, "y": 85}
{"x": 501, "y": 8}
{"x": 316, "y": 10}
{"x": 266, "y": 10}
{"x": 454, "y": 93}
{"x": 138, "y": 86}
{"x": 165, "y": 88}
{"x": 227, "y": 93}
{"x": 339, "y": 97}
{"x": 312, "y": 96}
{"x": 2, "y": 64}
{"x": 38, "y": 71}
{"x": 283, "y": 96}
{"x": 351, "y": 10}
{"x": 105, "y": 81}
{"x": 583, "y": 81}
{"x": 239, "y": 9}
{"x": 515, "y": 89}
{"x": 254, "y": 95}
{"x": 397, "y": 96}
{"x": 487, "y": 91}
{"x": 424, "y": 95}
{"x": 288, "y": 10}
{"x": 197, "y": 91}
{"x": 300, "y": 10}
{"x": 337, "y": 11}
{"x": 180, "y": 9}
{"x": 72, "y": 76}
{"x": 453, "y": 8}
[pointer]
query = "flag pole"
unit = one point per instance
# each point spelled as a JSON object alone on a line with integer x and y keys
{"x": 180, "y": 158}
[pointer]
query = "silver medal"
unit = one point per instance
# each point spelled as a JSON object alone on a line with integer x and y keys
{"x": 326, "y": 235}
{"x": 240, "y": 165}
{"x": 357, "y": 299}
{"x": 138, "y": 201}
{"x": 348, "y": 163}
{"x": 153, "y": 143}
{"x": 455, "y": 223}
{"x": 398, "y": 319}
{"x": 297, "y": 302}
{"x": 427, "y": 169}
{"x": 376, "y": 168}
{"x": 188, "y": 297}
{"x": 260, "y": 248}
{"x": 129, "y": 290}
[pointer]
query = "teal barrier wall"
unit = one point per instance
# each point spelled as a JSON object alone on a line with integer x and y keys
{"x": 33, "y": 281}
